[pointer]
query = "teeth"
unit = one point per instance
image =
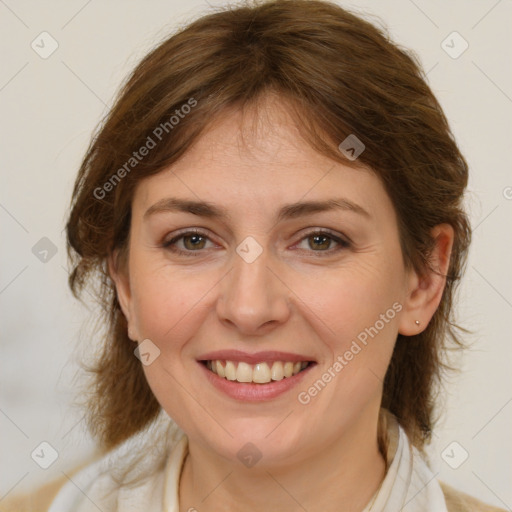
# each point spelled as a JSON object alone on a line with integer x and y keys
{"x": 244, "y": 372}
{"x": 260, "y": 373}
{"x": 230, "y": 370}
{"x": 220, "y": 369}
{"x": 277, "y": 372}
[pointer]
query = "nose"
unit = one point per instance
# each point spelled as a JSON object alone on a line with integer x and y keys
{"x": 253, "y": 298}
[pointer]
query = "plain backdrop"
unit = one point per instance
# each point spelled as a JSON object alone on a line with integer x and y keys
{"x": 48, "y": 110}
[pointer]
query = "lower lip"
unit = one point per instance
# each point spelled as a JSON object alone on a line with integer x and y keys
{"x": 251, "y": 392}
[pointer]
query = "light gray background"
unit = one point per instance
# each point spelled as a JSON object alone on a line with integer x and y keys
{"x": 48, "y": 109}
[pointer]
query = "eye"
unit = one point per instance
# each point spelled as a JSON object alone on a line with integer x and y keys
{"x": 190, "y": 241}
{"x": 323, "y": 241}
{"x": 194, "y": 241}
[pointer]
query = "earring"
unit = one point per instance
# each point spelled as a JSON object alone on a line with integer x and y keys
{"x": 417, "y": 322}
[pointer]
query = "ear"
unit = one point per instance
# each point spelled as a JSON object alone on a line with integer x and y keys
{"x": 120, "y": 276}
{"x": 426, "y": 290}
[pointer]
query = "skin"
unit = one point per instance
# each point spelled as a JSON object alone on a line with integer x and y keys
{"x": 294, "y": 297}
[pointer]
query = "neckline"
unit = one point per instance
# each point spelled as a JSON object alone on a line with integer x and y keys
{"x": 180, "y": 452}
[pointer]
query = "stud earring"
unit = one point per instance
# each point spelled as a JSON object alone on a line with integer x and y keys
{"x": 417, "y": 322}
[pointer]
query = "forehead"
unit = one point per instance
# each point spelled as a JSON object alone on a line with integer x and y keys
{"x": 257, "y": 158}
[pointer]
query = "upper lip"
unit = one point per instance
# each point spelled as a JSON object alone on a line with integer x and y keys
{"x": 253, "y": 358}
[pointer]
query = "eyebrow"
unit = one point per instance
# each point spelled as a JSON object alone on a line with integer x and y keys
{"x": 289, "y": 211}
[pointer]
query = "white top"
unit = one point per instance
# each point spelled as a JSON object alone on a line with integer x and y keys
{"x": 409, "y": 485}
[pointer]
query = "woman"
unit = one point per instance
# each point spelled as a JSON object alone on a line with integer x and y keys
{"x": 274, "y": 210}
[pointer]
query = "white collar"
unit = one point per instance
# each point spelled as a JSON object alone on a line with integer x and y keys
{"x": 409, "y": 485}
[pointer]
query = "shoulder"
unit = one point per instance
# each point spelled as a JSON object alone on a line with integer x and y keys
{"x": 457, "y": 501}
{"x": 37, "y": 501}
{"x": 131, "y": 472}
{"x": 41, "y": 498}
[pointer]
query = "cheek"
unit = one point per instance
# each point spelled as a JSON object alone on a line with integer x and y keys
{"x": 357, "y": 313}
{"x": 350, "y": 299}
{"x": 164, "y": 301}
{"x": 356, "y": 310}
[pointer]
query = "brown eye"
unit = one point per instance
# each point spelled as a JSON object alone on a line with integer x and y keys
{"x": 192, "y": 242}
{"x": 321, "y": 242}
{"x": 188, "y": 243}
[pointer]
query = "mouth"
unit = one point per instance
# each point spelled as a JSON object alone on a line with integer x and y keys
{"x": 263, "y": 372}
{"x": 254, "y": 377}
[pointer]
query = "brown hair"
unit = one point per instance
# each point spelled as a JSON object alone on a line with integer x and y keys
{"x": 339, "y": 75}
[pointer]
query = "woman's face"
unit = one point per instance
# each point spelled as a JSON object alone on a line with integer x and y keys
{"x": 290, "y": 254}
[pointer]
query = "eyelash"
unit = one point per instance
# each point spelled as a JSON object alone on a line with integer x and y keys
{"x": 342, "y": 244}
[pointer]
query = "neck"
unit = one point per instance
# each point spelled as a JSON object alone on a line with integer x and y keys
{"x": 345, "y": 473}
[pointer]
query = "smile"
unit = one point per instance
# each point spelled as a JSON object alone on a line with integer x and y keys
{"x": 259, "y": 373}
{"x": 254, "y": 376}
